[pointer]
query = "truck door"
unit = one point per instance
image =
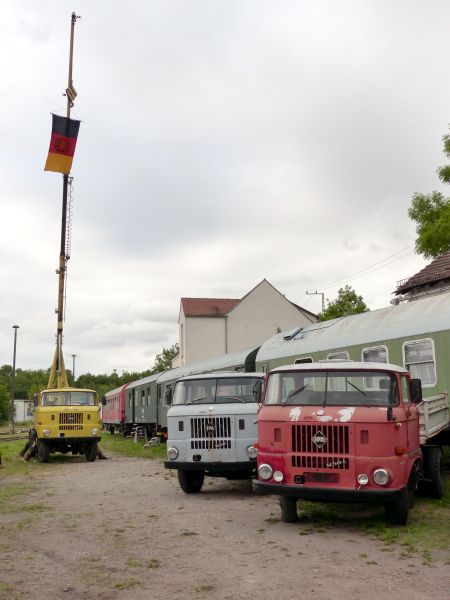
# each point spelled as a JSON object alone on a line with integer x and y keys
{"x": 412, "y": 416}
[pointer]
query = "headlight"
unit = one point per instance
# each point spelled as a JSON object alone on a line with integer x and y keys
{"x": 278, "y": 476}
{"x": 172, "y": 453}
{"x": 381, "y": 477}
{"x": 94, "y": 431}
{"x": 265, "y": 472}
{"x": 252, "y": 452}
{"x": 362, "y": 479}
{"x": 46, "y": 432}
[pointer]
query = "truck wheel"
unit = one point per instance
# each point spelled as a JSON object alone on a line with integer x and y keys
{"x": 433, "y": 467}
{"x": 91, "y": 452}
{"x": 191, "y": 481}
{"x": 288, "y": 509}
{"x": 43, "y": 452}
{"x": 397, "y": 510}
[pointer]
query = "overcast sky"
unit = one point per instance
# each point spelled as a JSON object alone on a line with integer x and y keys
{"x": 222, "y": 142}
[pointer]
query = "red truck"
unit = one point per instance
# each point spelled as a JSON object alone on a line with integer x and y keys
{"x": 350, "y": 432}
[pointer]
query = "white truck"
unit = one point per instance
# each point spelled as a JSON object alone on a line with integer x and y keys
{"x": 212, "y": 427}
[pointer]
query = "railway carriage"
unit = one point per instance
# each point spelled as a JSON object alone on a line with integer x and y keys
{"x": 113, "y": 411}
{"x": 413, "y": 334}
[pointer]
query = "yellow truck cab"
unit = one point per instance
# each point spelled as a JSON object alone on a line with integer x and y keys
{"x": 66, "y": 420}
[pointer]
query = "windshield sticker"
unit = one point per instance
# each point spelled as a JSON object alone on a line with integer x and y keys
{"x": 295, "y": 413}
{"x": 346, "y": 414}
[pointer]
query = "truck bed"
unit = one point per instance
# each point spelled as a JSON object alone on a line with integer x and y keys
{"x": 434, "y": 416}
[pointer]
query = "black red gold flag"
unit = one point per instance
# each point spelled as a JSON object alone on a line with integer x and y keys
{"x": 62, "y": 144}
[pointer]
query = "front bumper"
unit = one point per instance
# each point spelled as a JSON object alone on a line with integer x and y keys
{"x": 326, "y": 494}
{"x": 247, "y": 465}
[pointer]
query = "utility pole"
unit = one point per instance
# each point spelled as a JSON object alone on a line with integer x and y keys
{"x": 73, "y": 366}
{"x": 316, "y": 293}
{"x": 13, "y": 384}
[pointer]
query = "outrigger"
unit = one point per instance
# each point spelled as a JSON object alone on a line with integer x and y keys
{"x": 66, "y": 419}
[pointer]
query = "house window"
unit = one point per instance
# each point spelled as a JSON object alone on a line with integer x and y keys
{"x": 301, "y": 361}
{"x": 418, "y": 358}
{"x": 338, "y": 356}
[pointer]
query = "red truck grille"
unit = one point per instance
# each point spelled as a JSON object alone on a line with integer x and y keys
{"x": 210, "y": 433}
{"x": 320, "y": 446}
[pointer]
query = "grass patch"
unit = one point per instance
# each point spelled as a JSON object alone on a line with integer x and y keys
{"x": 128, "y": 584}
{"x": 9, "y": 497}
{"x": 428, "y": 526}
{"x": 117, "y": 444}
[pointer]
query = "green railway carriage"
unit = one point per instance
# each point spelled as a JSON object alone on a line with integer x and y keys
{"x": 413, "y": 334}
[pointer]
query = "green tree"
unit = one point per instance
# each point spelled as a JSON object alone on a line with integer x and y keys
{"x": 4, "y": 401}
{"x": 347, "y": 303}
{"x": 431, "y": 212}
{"x": 163, "y": 360}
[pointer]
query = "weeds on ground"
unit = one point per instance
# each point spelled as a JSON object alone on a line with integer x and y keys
{"x": 117, "y": 444}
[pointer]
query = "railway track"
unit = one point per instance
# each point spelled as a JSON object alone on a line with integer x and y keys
{"x": 6, "y": 437}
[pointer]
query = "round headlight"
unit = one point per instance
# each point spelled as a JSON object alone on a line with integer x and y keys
{"x": 172, "y": 453}
{"x": 94, "y": 431}
{"x": 362, "y": 479}
{"x": 265, "y": 472}
{"x": 278, "y": 476}
{"x": 252, "y": 452}
{"x": 381, "y": 477}
{"x": 46, "y": 432}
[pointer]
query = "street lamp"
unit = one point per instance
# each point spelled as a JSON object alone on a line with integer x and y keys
{"x": 13, "y": 383}
{"x": 73, "y": 366}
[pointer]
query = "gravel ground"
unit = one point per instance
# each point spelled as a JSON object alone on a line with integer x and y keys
{"x": 122, "y": 528}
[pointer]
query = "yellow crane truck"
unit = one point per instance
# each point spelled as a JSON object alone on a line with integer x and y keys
{"x": 66, "y": 419}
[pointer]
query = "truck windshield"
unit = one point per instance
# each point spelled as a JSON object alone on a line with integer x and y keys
{"x": 73, "y": 398}
{"x": 220, "y": 390}
{"x": 332, "y": 388}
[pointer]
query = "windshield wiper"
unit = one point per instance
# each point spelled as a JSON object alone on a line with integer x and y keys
{"x": 297, "y": 391}
{"x": 195, "y": 400}
{"x": 356, "y": 387}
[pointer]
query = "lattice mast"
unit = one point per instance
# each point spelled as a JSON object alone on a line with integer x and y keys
{"x": 58, "y": 375}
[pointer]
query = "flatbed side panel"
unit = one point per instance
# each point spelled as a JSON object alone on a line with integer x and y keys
{"x": 434, "y": 416}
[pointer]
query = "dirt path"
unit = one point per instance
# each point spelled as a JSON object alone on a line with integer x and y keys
{"x": 122, "y": 528}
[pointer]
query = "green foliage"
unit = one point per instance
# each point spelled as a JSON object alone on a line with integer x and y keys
{"x": 431, "y": 212}
{"x": 29, "y": 382}
{"x": 347, "y": 303}
{"x": 4, "y": 401}
{"x": 163, "y": 361}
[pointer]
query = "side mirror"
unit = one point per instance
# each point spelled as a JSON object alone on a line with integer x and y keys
{"x": 257, "y": 391}
{"x": 36, "y": 400}
{"x": 104, "y": 400}
{"x": 168, "y": 395}
{"x": 415, "y": 390}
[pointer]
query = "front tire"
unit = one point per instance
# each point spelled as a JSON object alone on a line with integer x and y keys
{"x": 43, "y": 452}
{"x": 91, "y": 452}
{"x": 191, "y": 482}
{"x": 288, "y": 509}
{"x": 433, "y": 466}
{"x": 397, "y": 510}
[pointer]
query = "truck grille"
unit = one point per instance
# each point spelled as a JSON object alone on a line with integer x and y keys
{"x": 210, "y": 433}
{"x": 320, "y": 446}
{"x": 70, "y": 421}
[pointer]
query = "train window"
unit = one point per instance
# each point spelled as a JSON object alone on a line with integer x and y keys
{"x": 142, "y": 397}
{"x": 337, "y": 385}
{"x": 419, "y": 359}
{"x": 301, "y": 361}
{"x": 377, "y": 354}
{"x": 148, "y": 396}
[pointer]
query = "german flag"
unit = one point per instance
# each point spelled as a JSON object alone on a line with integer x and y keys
{"x": 62, "y": 144}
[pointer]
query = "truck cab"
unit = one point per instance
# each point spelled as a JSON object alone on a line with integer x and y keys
{"x": 343, "y": 432}
{"x": 66, "y": 420}
{"x": 212, "y": 427}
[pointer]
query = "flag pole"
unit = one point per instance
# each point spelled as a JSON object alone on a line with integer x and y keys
{"x": 58, "y": 376}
